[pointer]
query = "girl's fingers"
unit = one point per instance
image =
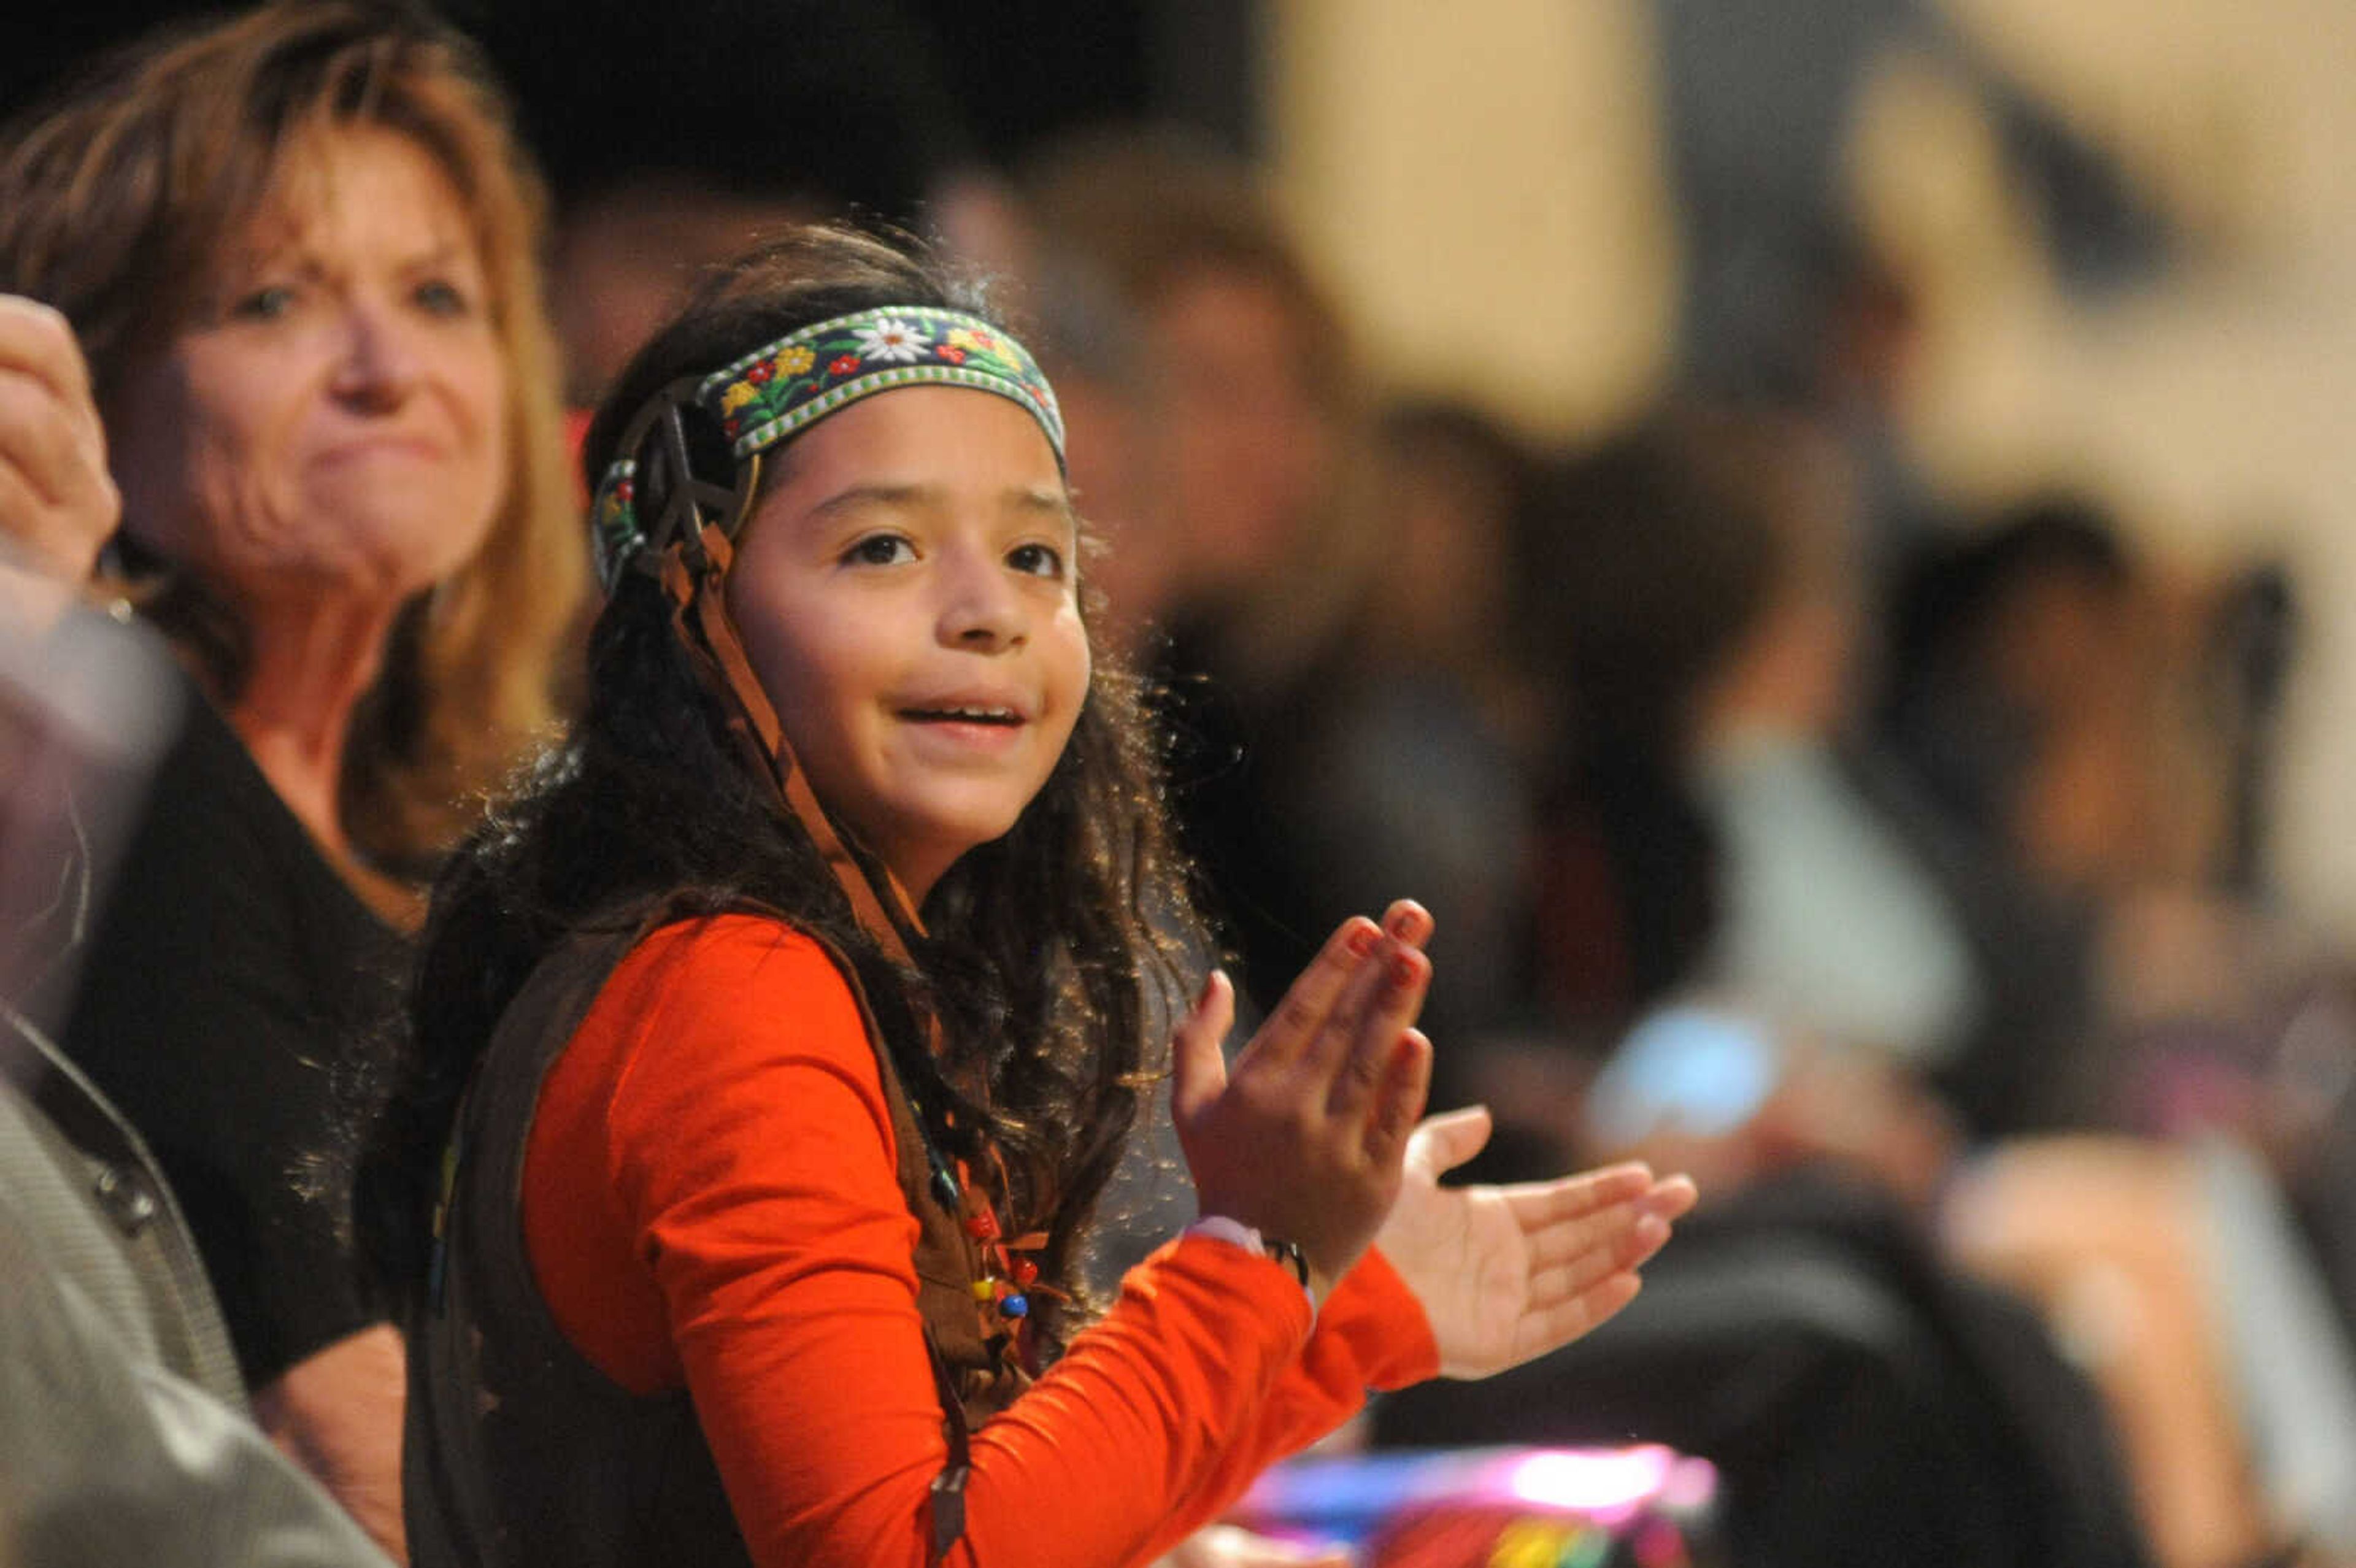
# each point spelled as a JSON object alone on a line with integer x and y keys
{"x": 1559, "y": 1322}
{"x": 1360, "y": 1044}
{"x": 1573, "y": 1257}
{"x": 1326, "y": 1051}
{"x": 1535, "y": 1204}
{"x": 1673, "y": 1197}
{"x": 1565, "y": 1240}
{"x": 1408, "y": 922}
{"x": 1308, "y": 1005}
{"x": 1198, "y": 1067}
{"x": 1398, "y": 1102}
{"x": 1442, "y": 1143}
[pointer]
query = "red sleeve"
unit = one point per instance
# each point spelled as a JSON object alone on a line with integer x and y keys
{"x": 1371, "y": 1334}
{"x": 1372, "y": 1324}
{"x": 746, "y": 1152}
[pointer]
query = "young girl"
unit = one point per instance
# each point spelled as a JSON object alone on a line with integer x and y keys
{"x": 775, "y": 1045}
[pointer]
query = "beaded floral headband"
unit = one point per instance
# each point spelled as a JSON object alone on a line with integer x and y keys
{"x": 789, "y": 384}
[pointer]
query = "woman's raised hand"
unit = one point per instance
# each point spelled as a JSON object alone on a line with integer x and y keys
{"x": 57, "y": 504}
{"x": 1504, "y": 1274}
{"x": 1305, "y": 1139}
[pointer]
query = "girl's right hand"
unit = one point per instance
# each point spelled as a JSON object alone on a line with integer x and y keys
{"x": 57, "y": 504}
{"x": 1305, "y": 1139}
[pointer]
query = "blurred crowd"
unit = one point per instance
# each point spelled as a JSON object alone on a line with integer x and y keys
{"x": 1895, "y": 861}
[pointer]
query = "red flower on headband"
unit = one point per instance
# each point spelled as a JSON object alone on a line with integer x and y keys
{"x": 626, "y": 491}
{"x": 759, "y": 374}
{"x": 730, "y": 426}
{"x": 955, "y": 355}
{"x": 843, "y": 364}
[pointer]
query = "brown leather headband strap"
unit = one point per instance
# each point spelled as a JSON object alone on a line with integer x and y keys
{"x": 700, "y": 620}
{"x": 690, "y": 555}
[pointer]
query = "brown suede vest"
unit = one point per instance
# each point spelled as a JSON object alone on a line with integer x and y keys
{"x": 518, "y": 1451}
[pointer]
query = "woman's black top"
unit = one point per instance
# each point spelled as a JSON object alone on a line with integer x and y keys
{"x": 236, "y": 1004}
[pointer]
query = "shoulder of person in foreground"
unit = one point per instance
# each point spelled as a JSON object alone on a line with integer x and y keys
{"x": 109, "y": 1451}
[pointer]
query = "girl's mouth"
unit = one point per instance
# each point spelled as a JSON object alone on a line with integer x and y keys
{"x": 975, "y": 715}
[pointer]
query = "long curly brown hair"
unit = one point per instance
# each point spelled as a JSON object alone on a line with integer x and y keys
{"x": 1048, "y": 953}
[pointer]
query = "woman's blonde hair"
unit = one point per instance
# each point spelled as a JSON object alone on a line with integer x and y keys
{"x": 120, "y": 203}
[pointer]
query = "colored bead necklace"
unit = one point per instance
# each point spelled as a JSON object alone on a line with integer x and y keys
{"x": 1007, "y": 1281}
{"x": 1003, "y": 1292}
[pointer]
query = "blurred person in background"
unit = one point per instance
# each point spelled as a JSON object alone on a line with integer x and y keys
{"x": 1716, "y": 875}
{"x": 1846, "y": 962}
{"x": 1708, "y": 642}
{"x": 2088, "y": 752}
{"x": 1741, "y": 811}
{"x": 744, "y": 121}
{"x": 1699, "y": 603}
{"x": 1419, "y": 769}
{"x": 2098, "y": 741}
{"x": 1254, "y": 408}
{"x": 1245, "y": 540}
{"x": 2020, "y": 698}
{"x": 298, "y": 249}
{"x": 1827, "y": 918}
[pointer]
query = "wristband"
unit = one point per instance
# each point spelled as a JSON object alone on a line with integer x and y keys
{"x": 1235, "y": 1233}
{"x": 1289, "y": 1254}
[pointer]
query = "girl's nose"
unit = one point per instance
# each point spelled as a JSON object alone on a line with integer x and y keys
{"x": 983, "y": 607}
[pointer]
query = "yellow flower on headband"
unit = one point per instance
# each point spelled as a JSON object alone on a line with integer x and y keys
{"x": 738, "y": 396}
{"x": 792, "y": 361}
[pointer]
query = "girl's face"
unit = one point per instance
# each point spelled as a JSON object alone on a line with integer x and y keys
{"x": 907, "y": 595}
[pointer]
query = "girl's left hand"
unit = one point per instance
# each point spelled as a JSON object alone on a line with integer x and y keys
{"x": 1507, "y": 1273}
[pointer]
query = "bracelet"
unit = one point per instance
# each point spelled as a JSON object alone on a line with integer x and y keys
{"x": 1235, "y": 1233}
{"x": 1289, "y": 1254}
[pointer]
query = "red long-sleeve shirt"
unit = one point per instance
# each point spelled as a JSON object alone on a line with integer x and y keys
{"x": 710, "y": 1199}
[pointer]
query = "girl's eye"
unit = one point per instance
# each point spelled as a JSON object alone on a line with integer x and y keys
{"x": 265, "y": 303}
{"x": 440, "y": 297}
{"x": 1037, "y": 560}
{"x": 880, "y": 549}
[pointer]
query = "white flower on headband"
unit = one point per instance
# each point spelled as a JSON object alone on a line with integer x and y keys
{"x": 892, "y": 340}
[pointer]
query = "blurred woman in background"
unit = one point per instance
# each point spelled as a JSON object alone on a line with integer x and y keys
{"x": 298, "y": 251}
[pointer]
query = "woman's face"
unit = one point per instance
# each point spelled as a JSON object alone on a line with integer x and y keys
{"x": 905, "y": 592}
{"x": 333, "y": 424}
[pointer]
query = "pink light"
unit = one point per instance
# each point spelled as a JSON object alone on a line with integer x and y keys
{"x": 1597, "y": 1482}
{"x": 1692, "y": 1483}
